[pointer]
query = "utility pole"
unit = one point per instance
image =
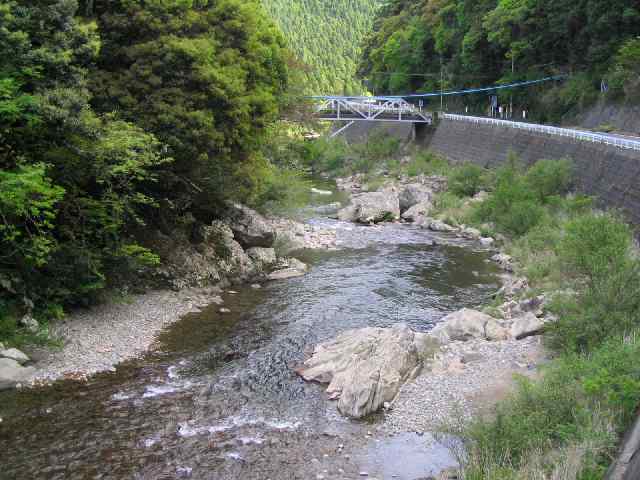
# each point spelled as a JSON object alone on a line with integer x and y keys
{"x": 513, "y": 59}
{"x": 441, "y": 82}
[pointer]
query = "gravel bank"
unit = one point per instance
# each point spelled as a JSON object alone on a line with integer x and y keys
{"x": 96, "y": 340}
{"x": 467, "y": 378}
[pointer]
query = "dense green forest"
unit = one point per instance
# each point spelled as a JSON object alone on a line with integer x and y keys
{"x": 121, "y": 116}
{"x": 426, "y": 45}
{"x": 326, "y": 35}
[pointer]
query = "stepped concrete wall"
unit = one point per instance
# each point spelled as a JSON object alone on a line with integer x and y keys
{"x": 611, "y": 174}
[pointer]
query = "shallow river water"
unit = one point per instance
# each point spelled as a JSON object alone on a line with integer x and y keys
{"x": 219, "y": 400}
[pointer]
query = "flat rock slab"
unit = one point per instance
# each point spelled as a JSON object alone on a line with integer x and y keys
{"x": 12, "y": 373}
{"x": 366, "y": 368}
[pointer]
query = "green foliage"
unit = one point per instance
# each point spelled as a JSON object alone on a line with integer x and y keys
{"x": 204, "y": 78}
{"x": 427, "y": 163}
{"x": 326, "y": 36}
{"x": 624, "y": 75}
{"x": 549, "y": 177}
{"x": 519, "y": 198}
{"x": 467, "y": 180}
{"x": 426, "y": 45}
{"x": 581, "y": 400}
{"x": 596, "y": 250}
{"x": 27, "y": 215}
{"x": 105, "y": 119}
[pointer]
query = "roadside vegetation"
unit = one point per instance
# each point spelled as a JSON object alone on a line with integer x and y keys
{"x": 566, "y": 425}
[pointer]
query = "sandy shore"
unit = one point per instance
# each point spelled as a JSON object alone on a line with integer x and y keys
{"x": 99, "y": 338}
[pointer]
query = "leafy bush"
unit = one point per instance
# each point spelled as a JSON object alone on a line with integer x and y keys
{"x": 582, "y": 399}
{"x": 519, "y": 197}
{"x": 549, "y": 177}
{"x": 596, "y": 250}
{"x": 467, "y": 180}
{"x": 595, "y": 244}
{"x": 427, "y": 163}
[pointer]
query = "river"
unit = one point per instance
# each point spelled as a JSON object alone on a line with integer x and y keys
{"x": 219, "y": 399}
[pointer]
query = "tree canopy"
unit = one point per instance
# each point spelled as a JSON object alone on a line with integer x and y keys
{"x": 326, "y": 36}
{"x": 121, "y": 115}
{"x": 476, "y": 42}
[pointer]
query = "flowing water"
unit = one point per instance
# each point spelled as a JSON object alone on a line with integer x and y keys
{"x": 220, "y": 400}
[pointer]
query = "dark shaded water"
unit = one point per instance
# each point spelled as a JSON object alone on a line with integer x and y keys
{"x": 220, "y": 400}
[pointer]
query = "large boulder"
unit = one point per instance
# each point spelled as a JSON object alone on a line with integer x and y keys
{"x": 418, "y": 213}
{"x": 372, "y": 207}
{"x": 467, "y": 324}
{"x": 12, "y": 373}
{"x": 249, "y": 228}
{"x": 413, "y": 194}
{"x": 366, "y": 368}
{"x": 14, "y": 354}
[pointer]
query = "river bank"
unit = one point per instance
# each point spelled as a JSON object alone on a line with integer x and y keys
{"x": 124, "y": 328}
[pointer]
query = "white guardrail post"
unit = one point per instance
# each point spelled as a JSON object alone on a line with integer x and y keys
{"x": 563, "y": 132}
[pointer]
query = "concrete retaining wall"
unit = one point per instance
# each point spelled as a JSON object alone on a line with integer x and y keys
{"x": 608, "y": 173}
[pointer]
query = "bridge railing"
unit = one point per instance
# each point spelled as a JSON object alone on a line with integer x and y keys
{"x": 548, "y": 130}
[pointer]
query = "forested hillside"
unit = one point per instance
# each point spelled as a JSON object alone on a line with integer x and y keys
{"x": 326, "y": 35}
{"x": 477, "y": 42}
{"x": 117, "y": 117}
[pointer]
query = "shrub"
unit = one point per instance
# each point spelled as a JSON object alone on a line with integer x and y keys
{"x": 467, "y": 180}
{"x": 581, "y": 400}
{"x": 427, "y": 163}
{"x": 549, "y": 177}
{"x": 595, "y": 242}
{"x": 596, "y": 252}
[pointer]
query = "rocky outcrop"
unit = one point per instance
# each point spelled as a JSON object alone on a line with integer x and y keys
{"x": 372, "y": 207}
{"x": 250, "y": 229}
{"x": 467, "y": 324}
{"x": 365, "y": 368}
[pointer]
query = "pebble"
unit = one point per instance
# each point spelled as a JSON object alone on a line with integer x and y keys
{"x": 442, "y": 398}
{"x": 224, "y": 310}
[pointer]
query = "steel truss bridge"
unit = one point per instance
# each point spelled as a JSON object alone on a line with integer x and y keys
{"x": 370, "y": 109}
{"x": 395, "y": 108}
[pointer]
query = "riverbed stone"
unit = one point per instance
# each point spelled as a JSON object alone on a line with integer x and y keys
{"x": 30, "y": 323}
{"x": 12, "y": 373}
{"x": 372, "y": 207}
{"x": 466, "y": 324}
{"x": 15, "y": 354}
{"x": 504, "y": 261}
{"x": 249, "y": 228}
{"x": 526, "y": 325}
{"x": 288, "y": 268}
{"x": 413, "y": 194}
{"x": 366, "y": 367}
{"x": 263, "y": 257}
{"x": 418, "y": 213}
{"x": 440, "y": 226}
